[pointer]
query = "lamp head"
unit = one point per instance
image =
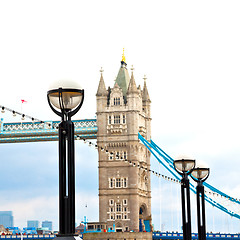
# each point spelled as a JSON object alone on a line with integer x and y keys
{"x": 184, "y": 164}
{"x": 66, "y": 96}
{"x": 201, "y": 172}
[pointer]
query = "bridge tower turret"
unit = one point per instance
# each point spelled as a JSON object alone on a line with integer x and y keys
{"x": 124, "y": 191}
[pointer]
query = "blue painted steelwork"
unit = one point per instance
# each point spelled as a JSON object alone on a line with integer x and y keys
{"x": 44, "y": 131}
{"x": 165, "y": 235}
{"x": 159, "y": 153}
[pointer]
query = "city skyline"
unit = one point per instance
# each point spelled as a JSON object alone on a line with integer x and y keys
{"x": 6, "y": 218}
{"x": 189, "y": 52}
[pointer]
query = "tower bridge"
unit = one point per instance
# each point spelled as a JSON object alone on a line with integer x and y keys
{"x": 123, "y": 111}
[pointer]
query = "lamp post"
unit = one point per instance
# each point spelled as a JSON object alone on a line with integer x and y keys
{"x": 65, "y": 99}
{"x": 200, "y": 174}
{"x": 184, "y": 166}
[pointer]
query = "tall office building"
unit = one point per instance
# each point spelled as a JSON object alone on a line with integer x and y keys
{"x": 33, "y": 224}
{"x": 6, "y": 218}
{"x": 47, "y": 224}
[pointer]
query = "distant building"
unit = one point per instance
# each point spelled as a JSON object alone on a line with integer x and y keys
{"x": 33, "y": 224}
{"x": 47, "y": 224}
{"x": 6, "y": 218}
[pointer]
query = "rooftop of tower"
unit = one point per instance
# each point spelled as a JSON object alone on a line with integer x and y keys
{"x": 123, "y": 78}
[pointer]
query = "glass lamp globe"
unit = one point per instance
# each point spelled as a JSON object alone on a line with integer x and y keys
{"x": 200, "y": 172}
{"x": 184, "y": 164}
{"x": 65, "y": 95}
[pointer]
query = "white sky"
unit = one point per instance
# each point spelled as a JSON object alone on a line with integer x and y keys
{"x": 189, "y": 51}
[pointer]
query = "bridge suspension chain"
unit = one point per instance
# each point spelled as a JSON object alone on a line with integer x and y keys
{"x": 118, "y": 157}
{"x": 3, "y": 109}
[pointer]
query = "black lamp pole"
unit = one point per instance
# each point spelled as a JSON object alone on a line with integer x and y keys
{"x": 201, "y": 212}
{"x": 200, "y": 175}
{"x": 65, "y": 100}
{"x": 66, "y": 178}
{"x": 184, "y": 167}
{"x": 186, "y": 209}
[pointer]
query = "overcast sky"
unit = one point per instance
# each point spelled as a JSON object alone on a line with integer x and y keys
{"x": 190, "y": 53}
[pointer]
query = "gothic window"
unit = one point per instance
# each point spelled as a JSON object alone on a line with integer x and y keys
{"x": 118, "y": 182}
{"x": 124, "y": 201}
{"x": 111, "y": 202}
{"x": 112, "y": 217}
{"x": 111, "y": 182}
{"x": 116, "y": 101}
{"x": 111, "y": 209}
{"x": 125, "y": 155}
{"x": 109, "y": 120}
{"x": 117, "y": 155}
{"x": 124, "y": 182}
{"x": 119, "y": 216}
{"x": 118, "y": 208}
{"x": 125, "y": 216}
{"x": 125, "y": 209}
{"x": 117, "y": 119}
{"x": 124, "y": 119}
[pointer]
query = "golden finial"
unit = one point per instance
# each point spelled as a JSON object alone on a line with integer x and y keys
{"x": 123, "y": 56}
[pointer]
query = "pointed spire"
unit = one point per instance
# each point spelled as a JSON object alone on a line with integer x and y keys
{"x": 145, "y": 90}
{"x": 132, "y": 88}
{"x": 123, "y": 76}
{"x": 101, "y": 86}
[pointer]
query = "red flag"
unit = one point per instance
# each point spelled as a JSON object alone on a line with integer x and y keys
{"x": 23, "y": 101}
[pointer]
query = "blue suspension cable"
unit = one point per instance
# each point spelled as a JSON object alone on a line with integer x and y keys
{"x": 169, "y": 160}
{"x": 204, "y": 183}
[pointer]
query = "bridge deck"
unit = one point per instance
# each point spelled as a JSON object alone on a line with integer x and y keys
{"x": 43, "y": 131}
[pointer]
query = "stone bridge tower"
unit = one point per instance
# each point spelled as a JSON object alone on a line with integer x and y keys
{"x": 124, "y": 191}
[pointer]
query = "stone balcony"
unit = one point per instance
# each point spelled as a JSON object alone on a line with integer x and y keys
{"x": 117, "y": 128}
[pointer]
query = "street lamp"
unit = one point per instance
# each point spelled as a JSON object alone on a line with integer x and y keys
{"x": 200, "y": 174}
{"x": 65, "y": 99}
{"x": 184, "y": 166}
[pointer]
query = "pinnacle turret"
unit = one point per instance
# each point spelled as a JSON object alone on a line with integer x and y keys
{"x": 145, "y": 91}
{"x": 132, "y": 88}
{"x": 101, "y": 86}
